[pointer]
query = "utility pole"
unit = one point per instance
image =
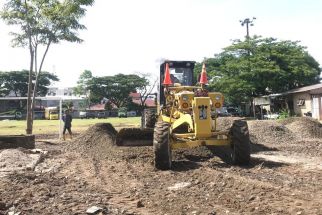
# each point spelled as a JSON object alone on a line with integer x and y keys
{"x": 249, "y": 22}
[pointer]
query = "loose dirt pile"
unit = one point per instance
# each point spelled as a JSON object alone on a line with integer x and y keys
{"x": 269, "y": 132}
{"x": 298, "y": 134}
{"x": 98, "y": 142}
{"x": 97, "y": 138}
{"x": 304, "y": 127}
{"x": 225, "y": 123}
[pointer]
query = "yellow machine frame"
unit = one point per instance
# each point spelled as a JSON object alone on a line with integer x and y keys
{"x": 201, "y": 126}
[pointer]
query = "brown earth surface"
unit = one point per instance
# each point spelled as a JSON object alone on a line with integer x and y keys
{"x": 284, "y": 176}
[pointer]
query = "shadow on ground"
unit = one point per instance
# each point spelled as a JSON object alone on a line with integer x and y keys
{"x": 182, "y": 165}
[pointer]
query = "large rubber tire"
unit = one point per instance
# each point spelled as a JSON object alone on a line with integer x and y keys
{"x": 148, "y": 118}
{"x": 240, "y": 143}
{"x": 161, "y": 146}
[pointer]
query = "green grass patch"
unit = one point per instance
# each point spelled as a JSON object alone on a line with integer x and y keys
{"x": 15, "y": 127}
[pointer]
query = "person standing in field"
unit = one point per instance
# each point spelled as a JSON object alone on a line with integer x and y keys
{"x": 67, "y": 118}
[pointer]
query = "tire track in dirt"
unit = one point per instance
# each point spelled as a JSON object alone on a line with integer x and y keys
{"x": 214, "y": 187}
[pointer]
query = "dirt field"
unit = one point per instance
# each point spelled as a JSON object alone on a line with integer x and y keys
{"x": 284, "y": 177}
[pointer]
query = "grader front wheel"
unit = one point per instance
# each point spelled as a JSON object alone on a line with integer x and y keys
{"x": 161, "y": 146}
{"x": 240, "y": 143}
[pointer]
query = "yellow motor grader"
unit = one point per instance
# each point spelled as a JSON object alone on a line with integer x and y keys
{"x": 186, "y": 117}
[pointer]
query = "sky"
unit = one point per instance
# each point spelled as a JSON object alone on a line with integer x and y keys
{"x": 126, "y": 36}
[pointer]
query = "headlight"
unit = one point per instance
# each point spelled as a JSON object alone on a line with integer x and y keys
{"x": 185, "y": 105}
{"x": 185, "y": 98}
{"x": 217, "y": 104}
{"x": 218, "y": 97}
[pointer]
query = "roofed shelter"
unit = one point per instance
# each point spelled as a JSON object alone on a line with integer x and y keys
{"x": 306, "y": 99}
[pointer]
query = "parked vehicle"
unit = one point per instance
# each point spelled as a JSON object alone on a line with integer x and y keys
{"x": 51, "y": 113}
{"x": 39, "y": 114}
{"x": 87, "y": 115}
{"x": 101, "y": 115}
{"x": 308, "y": 114}
{"x": 122, "y": 112}
{"x": 131, "y": 113}
{"x": 271, "y": 116}
{"x": 82, "y": 114}
{"x": 223, "y": 112}
{"x": 16, "y": 115}
{"x": 233, "y": 111}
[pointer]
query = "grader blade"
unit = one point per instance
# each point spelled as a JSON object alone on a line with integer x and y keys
{"x": 134, "y": 137}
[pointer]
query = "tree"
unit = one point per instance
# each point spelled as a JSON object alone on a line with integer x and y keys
{"x": 146, "y": 88}
{"x": 115, "y": 88}
{"x": 16, "y": 82}
{"x": 67, "y": 105}
{"x": 260, "y": 66}
{"x": 42, "y": 23}
{"x": 82, "y": 104}
{"x": 82, "y": 85}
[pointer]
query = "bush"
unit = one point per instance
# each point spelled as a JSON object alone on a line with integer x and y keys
{"x": 284, "y": 114}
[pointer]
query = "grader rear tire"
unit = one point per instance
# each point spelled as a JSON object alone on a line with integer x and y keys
{"x": 161, "y": 146}
{"x": 148, "y": 119}
{"x": 240, "y": 143}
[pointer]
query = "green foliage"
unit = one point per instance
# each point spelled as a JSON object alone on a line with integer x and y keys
{"x": 260, "y": 66}
{"x": 115, "y": 88}
{"x": 16, "y": 82}
{"x": 46, "y": 21}
{"x": 67, "y": 105}
{"x": 82, "y": 86}
{"x": 83, "y": 104}
{"x": 284, "y": 114}
{"x": 82, "y": 83}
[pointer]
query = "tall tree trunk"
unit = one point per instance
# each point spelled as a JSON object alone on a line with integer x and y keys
{"x": 35, "y": 82}
{"x": 29, "y": 102}
{"x": 38, "y": 73}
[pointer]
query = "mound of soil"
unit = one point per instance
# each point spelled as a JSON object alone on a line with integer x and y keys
{"x": 304, "y": 127}
{"x": 99, "y": 137}
{"x": 225, "y": 123}
{"x": 98, "y": 142}
{"x": 269, "y": 132}
{"x": 311, "y": 147}
{"x": 296, "y": 134}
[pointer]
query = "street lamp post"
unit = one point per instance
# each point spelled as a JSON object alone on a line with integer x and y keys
{"x": 249, "y": 22}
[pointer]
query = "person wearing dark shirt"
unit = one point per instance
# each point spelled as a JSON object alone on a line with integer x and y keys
{"x": 67, "y": 118}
